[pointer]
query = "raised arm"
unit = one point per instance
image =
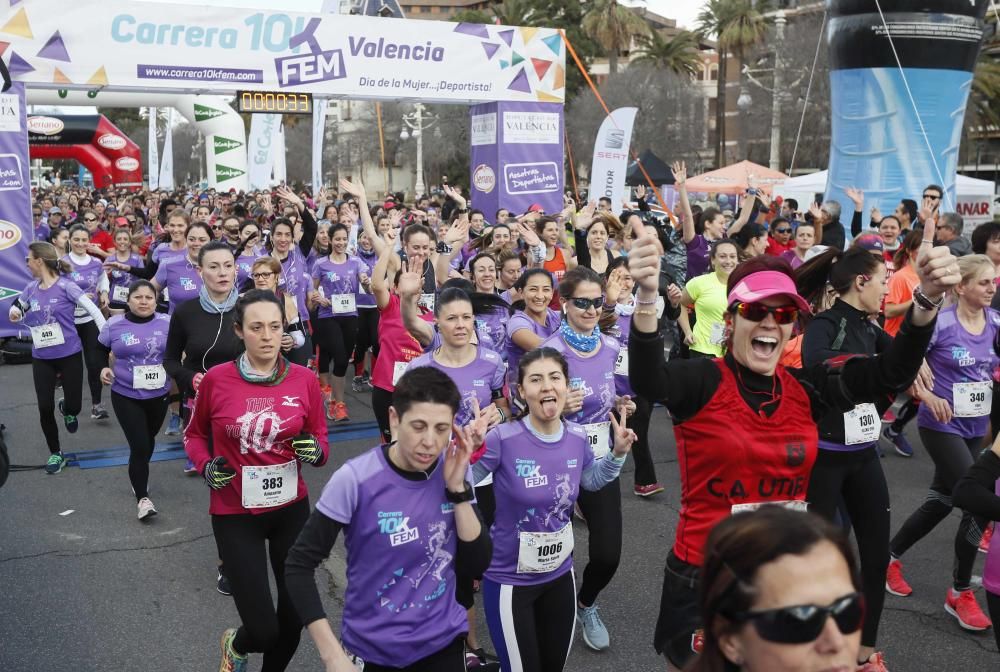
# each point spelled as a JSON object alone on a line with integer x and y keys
{"x": 858, "y": 198}
{"x": 409, "y": 286}
{"x": 357, "y": 190}
{"x": 679, "y": 170}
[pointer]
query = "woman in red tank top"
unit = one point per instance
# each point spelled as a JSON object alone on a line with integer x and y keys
{"x": 746, "y": 426}
{"x": 558, "y": 259}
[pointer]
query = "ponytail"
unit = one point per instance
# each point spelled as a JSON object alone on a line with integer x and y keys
{"x": 836, "y": 267}
{"x": 49, "y": 255}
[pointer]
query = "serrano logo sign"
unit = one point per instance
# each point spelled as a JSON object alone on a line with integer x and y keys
{"x": 484, "y": 179}
{"x": 10, "y": 234}
{"x": 127, "y": 163}
{"x": 45, "y": 125}
{"x": 112, "y": 141}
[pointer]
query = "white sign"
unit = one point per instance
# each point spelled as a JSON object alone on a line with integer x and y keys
{"x": 483, "y": 178}
{"x": 153, "y": 153}
{"x": 111, "y": 141}
{"x": 119, "y": 45}
{"x": 127, "y": 163}
{"x": 531, "y": 128}
{"x": 261, "y": 146}
{"x": 166, "y": 174}
{"x": 10, "y": 116}
{"x": 975, "y": 210}
{"x": 484, "y": 129}
{"x": 45, "y": 125}
{"x": 611, "y": 154}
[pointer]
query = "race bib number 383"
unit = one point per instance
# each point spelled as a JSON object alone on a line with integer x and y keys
{"x": 271, "y": 485}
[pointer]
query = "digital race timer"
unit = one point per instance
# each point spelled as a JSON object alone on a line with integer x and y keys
{"x": 276, "y": 102}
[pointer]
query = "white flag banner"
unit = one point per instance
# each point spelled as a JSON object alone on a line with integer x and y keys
{"x": 611, "y": 154}
{"x": 318, "y": 133}
{"x": 167, "y": 162}
{"x": 280, "y": 167}
{"x": 153, "y": 152}
{"x": 261, "y": 148}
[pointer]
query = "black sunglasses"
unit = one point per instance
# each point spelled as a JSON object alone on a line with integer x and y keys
{"x": 782, "y": 230}
{"x": 804, "y": 623}
{"x": 90, "y": 219}
{"x": 932, "y": 197}
{"x": 584, "y": 304}
{"x": 757, "y": 312}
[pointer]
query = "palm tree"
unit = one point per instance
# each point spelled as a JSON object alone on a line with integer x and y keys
{"x": 613, "y": 26}
{"x": 508, "y": 13}
{"x": 737, "y": 25}
{"x": 678, "y": 54}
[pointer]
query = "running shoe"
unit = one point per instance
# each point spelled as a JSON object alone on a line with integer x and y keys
{"x": 367, "y": 381}
{"x": 595, "y": 635}
{"x": 55, "y": 464}
{"x": 146, "y": 508}
{"x": 897, "y": 439}
{"x": 173, "y": 425}
{"x": 889, "y": 415}
{"x": 72, "y": 424}
{"x": 647, "y": 490}
{"x": 963, "y": 606}
{"x": 231, "y": 661}
{"x": 894, "y": 581}
{"x": 331, "y": 411}
{"x": 874, "y": 664}
{"x": 984, "y": 543}
{"x": 326, "y": 390}
{"x": 340, "y": 412}
{"x": 357, "y": 384}
{"x": 222, "y": 583}
{"x": 97, "y": 412}
{"x": 189, "y": 468}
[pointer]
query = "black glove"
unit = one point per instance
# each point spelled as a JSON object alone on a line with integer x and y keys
{"x": 307, "y": 449}
{"x": 218, "y": 474}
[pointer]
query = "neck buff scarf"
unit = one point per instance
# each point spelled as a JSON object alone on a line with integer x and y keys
{"x": 578, "y": 342}
{"x": 273, "y": 378}
{"x": 214, "y": 308}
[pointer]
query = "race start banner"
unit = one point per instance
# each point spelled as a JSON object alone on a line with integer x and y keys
{"x": 517, "y": 157}
{"x": 119, "y": 45}
{"x": 16, "y": 229}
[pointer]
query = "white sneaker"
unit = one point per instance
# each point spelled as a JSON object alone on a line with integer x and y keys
{"x": 146, "y": 508}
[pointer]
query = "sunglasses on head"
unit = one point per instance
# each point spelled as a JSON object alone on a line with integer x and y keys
{"x": 584, "y": 304}
{"x": 804, "y": 623}
{"x": 757, "y": 312}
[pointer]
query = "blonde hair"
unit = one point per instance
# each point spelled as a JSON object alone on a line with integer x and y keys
{"x": 271, "y": 264}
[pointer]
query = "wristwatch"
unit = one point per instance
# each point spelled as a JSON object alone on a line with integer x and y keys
{"x": 466, "y": 495}
{"x": 924, "y": 302}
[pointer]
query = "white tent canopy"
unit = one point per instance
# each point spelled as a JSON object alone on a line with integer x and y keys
{"x": 815, "y": 183}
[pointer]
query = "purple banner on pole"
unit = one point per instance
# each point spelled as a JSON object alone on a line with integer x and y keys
{"x": 517, "y": 157}
{"x": 16, "y": 229}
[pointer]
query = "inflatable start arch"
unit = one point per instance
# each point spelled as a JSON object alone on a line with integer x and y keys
{"x": 112, "y": 158}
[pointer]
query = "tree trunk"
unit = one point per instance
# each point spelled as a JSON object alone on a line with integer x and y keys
{"x": 720, "y": 113}
{"x": 613, "y": 61}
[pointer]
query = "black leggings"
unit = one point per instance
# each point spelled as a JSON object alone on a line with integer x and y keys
{"x": 449, "y": 659}
{"x": 531, "y": 623}
{"x": 381, "y": 401}
{"x": 367, "y": 336}
{"x": 335, "y": 338}
{"x": 856, "y": 478}
{"x": 140, "y": 420}
{"x": 603, "y": 511}
{"x": 907, "y": 412}
{"x": 95, "y": 357}
{"x": 952, "y": 457}
{"x": 645, "y": 472}
{"x": 246, "y": 540}
{"x": 45, "y": 373}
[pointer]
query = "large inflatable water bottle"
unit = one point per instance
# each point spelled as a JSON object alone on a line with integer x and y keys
{"x": 899, "y": 83}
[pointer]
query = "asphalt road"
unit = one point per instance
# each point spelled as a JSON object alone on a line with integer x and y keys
{"x": 95, "y": 590}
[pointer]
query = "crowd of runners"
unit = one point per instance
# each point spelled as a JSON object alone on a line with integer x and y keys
{"x": 514, "y": 361}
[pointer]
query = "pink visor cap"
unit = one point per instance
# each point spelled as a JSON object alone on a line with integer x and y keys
{"x": 763, "y": 284}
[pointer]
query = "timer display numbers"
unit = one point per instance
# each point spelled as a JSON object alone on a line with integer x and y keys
{"x": 274, "y": 102}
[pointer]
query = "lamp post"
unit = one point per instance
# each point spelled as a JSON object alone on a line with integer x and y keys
{"x": 417, "y": 121}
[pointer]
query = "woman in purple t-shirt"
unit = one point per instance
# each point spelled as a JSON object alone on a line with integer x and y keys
{"x": 89, "y": 275}
{"x": 410, "y": 527}
{"x": 591, "y": 356}
{"x": 139, "y": 384}
{"x": 539, "y": 465}
{"x": 179, "y": 279}
{"x": 46, "y": 306}
{"x": 118, "y": 277}
{"x": 952, "y": 421}
{"x": 532, "y": 324}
